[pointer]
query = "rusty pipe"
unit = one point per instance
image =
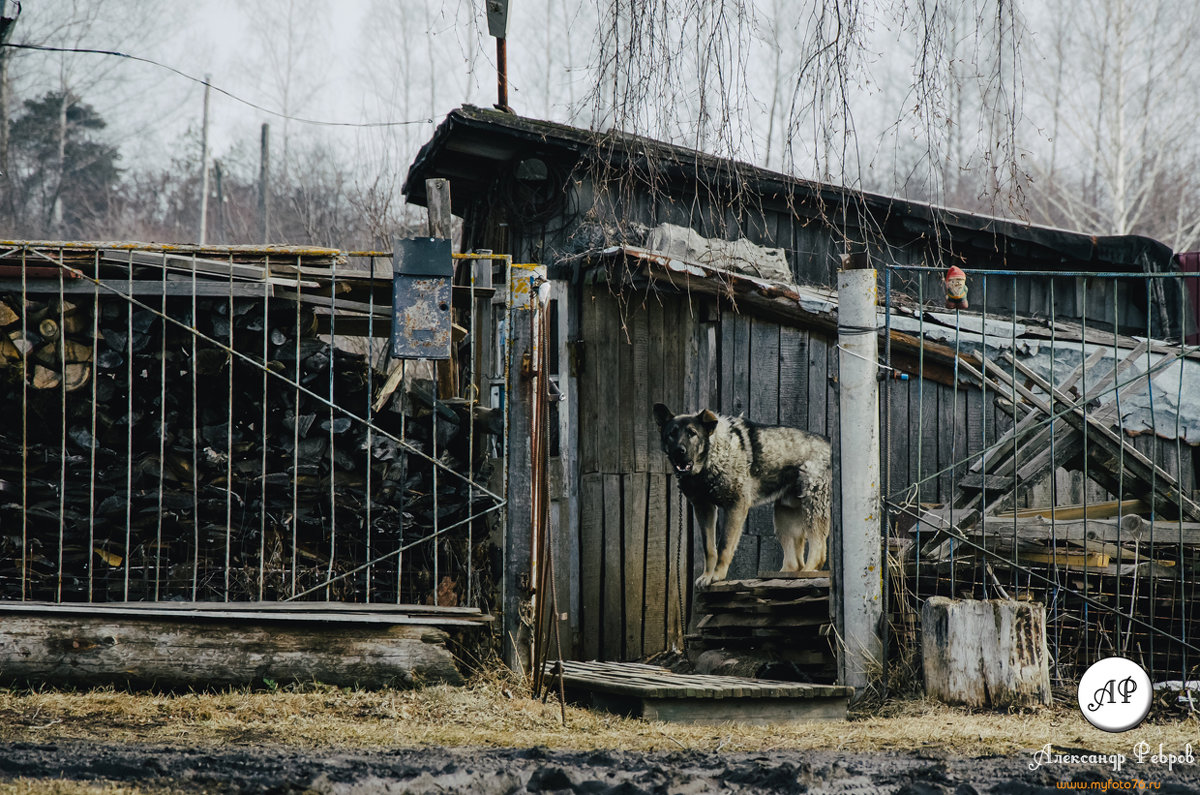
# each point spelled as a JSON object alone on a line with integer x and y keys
{"x": 502, "y": 75}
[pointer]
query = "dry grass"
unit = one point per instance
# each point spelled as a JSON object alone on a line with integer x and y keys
{"x": 493, "y": 710}
{"x": 30, "y": 786}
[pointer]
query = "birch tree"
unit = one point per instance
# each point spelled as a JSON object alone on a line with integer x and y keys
{"x": 1123, "y": 156}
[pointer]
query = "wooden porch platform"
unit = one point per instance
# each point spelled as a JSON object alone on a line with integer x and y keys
{"x": 655, "y": 693}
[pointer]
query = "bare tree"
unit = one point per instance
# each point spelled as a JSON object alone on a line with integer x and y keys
{"x": 72, "y": 77}
{"x": 287, "y": 50}
{"x": 1123, "y": 156}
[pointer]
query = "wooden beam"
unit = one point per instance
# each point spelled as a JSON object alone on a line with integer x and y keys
{"x": 170, "y": 287}
{"x": 441, "y": 225}
{"x": 1165, "y": 485}
{"x": 437, "y": 198}
{"x": 1070, "y": 560}
{"x": 181, "y": 652}
{"x": 1095, "y": 510}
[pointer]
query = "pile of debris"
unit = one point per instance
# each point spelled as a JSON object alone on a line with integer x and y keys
{"x": 1117, "y": 575}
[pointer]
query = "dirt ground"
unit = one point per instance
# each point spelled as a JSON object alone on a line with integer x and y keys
{"x": 490, "y": 737}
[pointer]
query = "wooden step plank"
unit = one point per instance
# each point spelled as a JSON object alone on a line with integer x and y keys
{"x": 610, "y": 677}
{"x": 725, "y": 586}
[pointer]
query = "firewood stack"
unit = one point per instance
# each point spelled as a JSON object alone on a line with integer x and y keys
{"x": 146, "y": 462}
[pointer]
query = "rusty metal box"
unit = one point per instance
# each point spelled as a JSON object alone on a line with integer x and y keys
{"x": 422, "y": 273}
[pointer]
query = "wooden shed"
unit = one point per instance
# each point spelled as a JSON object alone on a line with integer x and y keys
{"x": 631, "y": 328}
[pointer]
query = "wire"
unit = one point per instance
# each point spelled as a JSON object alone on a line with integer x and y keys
{"x": 218, "y": 89}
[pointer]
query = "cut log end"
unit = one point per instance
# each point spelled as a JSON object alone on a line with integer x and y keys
{"x": 985, "y": 654}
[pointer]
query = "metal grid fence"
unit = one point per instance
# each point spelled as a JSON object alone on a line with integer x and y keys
{"x": 1042, "y": 446}
{"x": 225, "y": 424}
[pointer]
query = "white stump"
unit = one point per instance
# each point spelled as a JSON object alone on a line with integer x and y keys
{"x": 985, "y": 654}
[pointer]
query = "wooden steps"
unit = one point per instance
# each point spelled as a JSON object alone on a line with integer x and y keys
{"x": 655, "y": 693}
{"x": 783, "y": 618}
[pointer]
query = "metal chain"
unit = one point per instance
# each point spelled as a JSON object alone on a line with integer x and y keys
{"x": 679, "y": 575}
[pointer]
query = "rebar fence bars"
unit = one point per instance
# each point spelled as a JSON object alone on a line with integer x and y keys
{"x": 1049, "y": 458}
{"x": 219, "y": 424}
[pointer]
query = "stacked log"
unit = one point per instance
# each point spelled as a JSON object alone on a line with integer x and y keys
{"x": 141, "y": 460}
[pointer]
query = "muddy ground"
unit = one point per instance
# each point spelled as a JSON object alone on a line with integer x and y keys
{"x": 28, "y": 766}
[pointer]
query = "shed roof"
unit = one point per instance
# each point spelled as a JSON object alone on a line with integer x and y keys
{"x": 473, "y": 146}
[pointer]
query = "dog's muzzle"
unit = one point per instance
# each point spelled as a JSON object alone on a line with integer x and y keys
{"x": 681, "y": 462}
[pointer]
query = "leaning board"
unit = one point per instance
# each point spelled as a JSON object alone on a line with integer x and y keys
{"x": 655, "y": 693}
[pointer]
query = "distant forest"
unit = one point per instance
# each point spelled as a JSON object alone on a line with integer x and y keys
{"x": 1070, "y": 113}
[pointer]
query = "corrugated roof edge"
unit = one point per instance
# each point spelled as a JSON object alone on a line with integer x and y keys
{"x": 1055, "y": 247}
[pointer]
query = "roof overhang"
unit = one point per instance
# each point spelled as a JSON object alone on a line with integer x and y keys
{"x": 473, "y": 146}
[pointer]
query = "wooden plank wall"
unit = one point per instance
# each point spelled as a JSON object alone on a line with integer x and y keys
{"x": 634, "y": 557}
{"x": 638, "y": 550}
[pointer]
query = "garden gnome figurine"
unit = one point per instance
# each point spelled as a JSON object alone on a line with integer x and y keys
{"x": 956, "y": 288}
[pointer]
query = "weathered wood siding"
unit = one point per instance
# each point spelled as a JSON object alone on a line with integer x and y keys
{"x": 634, "y": 546}
{"x": 638, "y": 550}
{"x": 814, "y": 246}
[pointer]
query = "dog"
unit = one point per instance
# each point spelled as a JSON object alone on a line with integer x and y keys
{"x": 732, "y": 464}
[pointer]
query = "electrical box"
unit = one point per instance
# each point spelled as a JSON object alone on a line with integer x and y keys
{"x": 422, "y": 274}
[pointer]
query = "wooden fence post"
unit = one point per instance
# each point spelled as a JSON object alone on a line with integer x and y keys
{"x": 441, "y": 225}
{"x": 517, "y": 581}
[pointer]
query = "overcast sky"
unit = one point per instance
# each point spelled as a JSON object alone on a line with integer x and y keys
{"x": 987, "y": 100}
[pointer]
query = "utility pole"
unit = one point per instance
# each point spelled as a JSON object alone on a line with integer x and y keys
{"x": 264, "y": 187}
{"x": 497, "y": 17}
{"x": 6, "y": 27}
{"x": 204, "y": 166}
{"x": 220, "y": 202}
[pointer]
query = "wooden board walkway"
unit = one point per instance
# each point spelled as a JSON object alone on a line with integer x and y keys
{"x": 655, "y": 693}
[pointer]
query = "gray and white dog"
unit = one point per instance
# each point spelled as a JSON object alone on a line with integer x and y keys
{"x": 732, "y": 464}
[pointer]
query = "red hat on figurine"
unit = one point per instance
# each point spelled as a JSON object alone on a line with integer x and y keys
{"x": 956, "y": 288}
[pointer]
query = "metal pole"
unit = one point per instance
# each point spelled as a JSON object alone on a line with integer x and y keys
{"x": 857, "y": 549}
{"x": 203, "y": 236}
{"x": 264, "y": 186}
{"x": 502, "y": 74}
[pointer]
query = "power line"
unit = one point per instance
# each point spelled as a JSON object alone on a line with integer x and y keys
{"x": 218, "y": 89}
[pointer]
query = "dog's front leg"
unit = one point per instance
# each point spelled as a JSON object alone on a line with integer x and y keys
{"x": 706, "y": 515}
{"x": 735, "y": 522}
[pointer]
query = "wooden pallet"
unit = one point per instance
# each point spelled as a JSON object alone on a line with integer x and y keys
{"x": 655, "y": 693}
{"x": 778, "y": 618}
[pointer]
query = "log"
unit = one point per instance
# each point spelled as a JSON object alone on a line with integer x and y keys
{"x": 985, "y": 653}
{"x": 175, "y": 652}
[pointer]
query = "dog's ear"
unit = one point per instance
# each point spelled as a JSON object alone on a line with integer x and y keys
{"x": 709, "y": 420}
{"x": 662, "y": 414}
